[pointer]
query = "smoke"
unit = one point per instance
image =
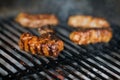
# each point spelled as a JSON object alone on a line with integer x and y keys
{"x": 72, "y": 7}
{"x": 62, "y": 8}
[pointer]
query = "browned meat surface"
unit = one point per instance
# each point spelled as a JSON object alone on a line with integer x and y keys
{"x": 87, "y": 22}
{"x": 45, "y": 29}
{"x": 87, "y": 36}
{"x": 36, "y": 20}
{"x": 45, "y": 45}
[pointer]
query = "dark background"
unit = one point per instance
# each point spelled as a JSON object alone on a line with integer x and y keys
{"x": 109, "y": 9}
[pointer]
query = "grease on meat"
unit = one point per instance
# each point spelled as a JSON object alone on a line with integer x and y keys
{"x": 87, "y": 36}
{"x": 45, "y": 45}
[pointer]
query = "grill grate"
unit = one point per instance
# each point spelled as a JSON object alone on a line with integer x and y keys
{"x": 94, "y": 61}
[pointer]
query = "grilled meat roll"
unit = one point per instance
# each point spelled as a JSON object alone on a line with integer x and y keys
{"x": 87, "y": 22}
{"x": 45, "y": 45}
{"x": 87, "y": 36}
{"x": 36, "y": 20}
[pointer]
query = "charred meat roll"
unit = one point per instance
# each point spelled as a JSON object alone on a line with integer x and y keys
{"x": 45, "y": 45}
{"x": 87, "y": 36}
{"x": 87, "y": 22}
{"x": 36, "y": 20}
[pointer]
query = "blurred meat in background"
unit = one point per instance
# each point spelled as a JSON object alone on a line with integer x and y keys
{"x": 63, "y": 8}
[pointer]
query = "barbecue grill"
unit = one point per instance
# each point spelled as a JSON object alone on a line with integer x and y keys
{"x": 100, "y": 61}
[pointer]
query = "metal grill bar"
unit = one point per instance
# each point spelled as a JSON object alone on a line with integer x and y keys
{"x": 9, "y": 44}
{"x": 98, "y": 61}
{"x": 76, "y": 47}
{"x": 96, "y": 53}
{"x": 89, "y": 62}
